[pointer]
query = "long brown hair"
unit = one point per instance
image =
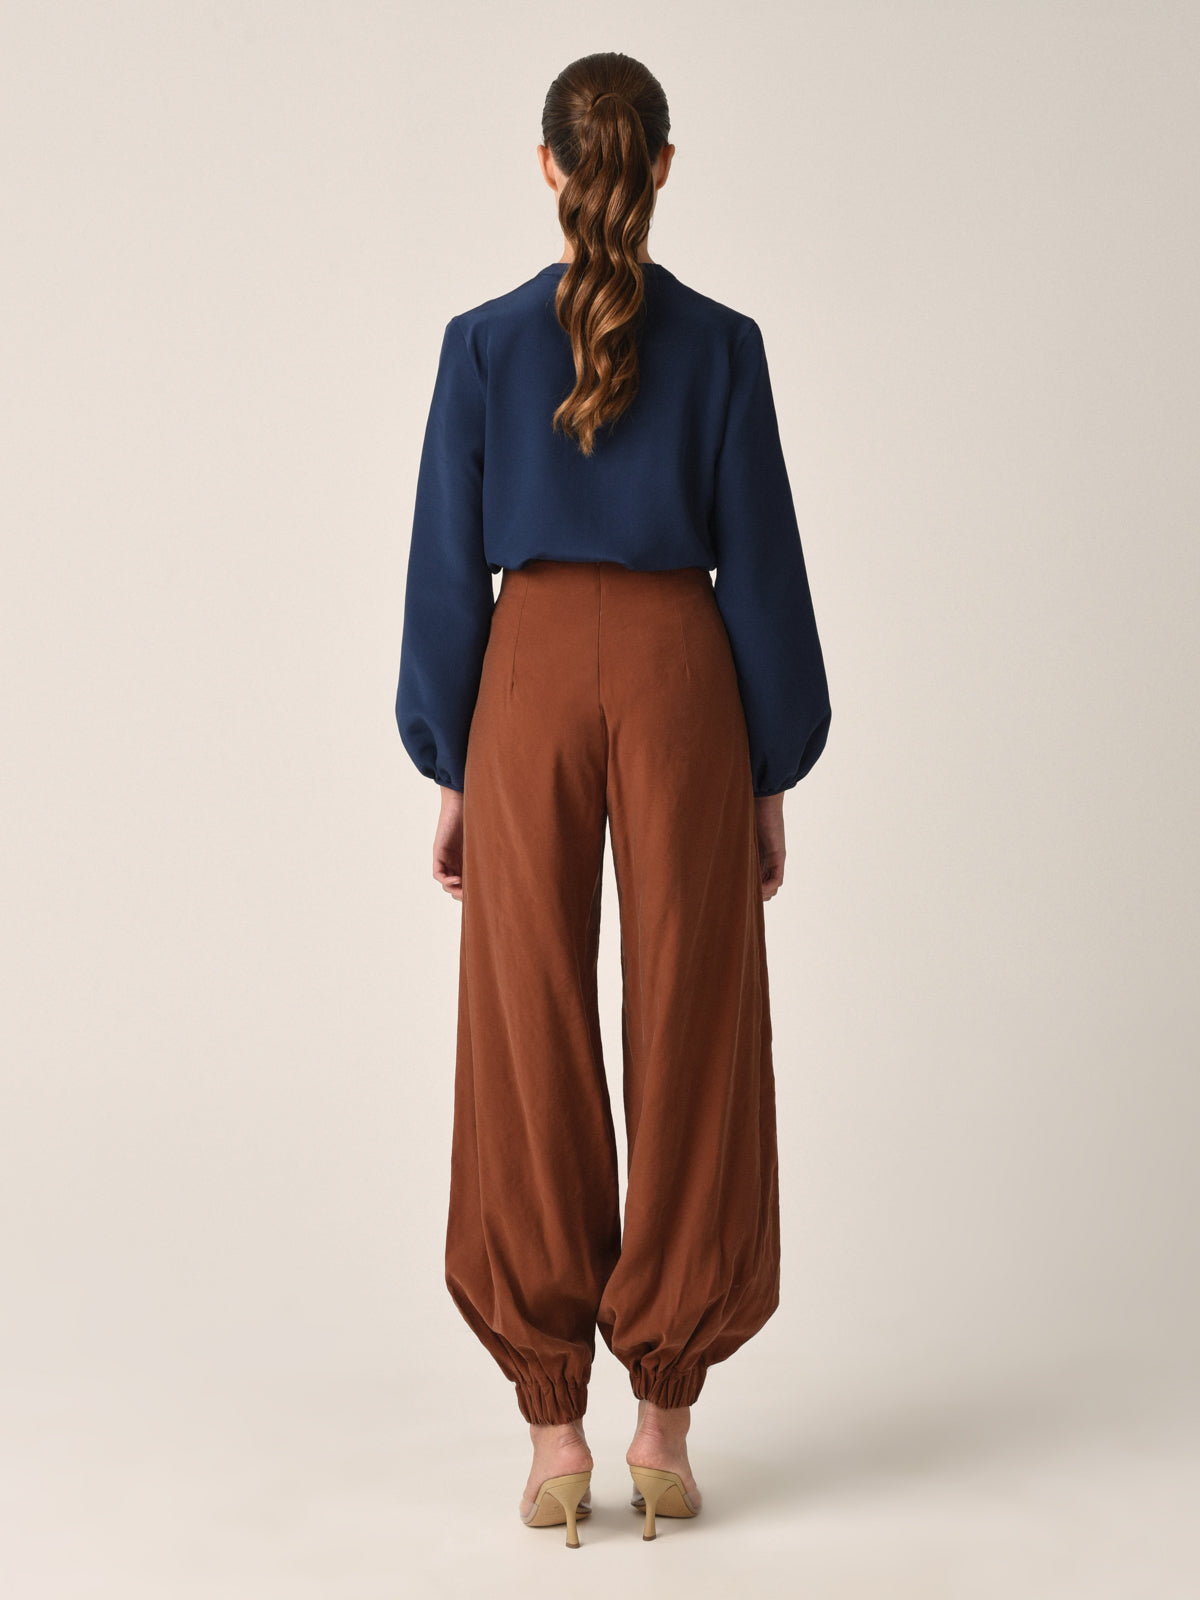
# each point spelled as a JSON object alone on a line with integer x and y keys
{"x": 605, "y": 121}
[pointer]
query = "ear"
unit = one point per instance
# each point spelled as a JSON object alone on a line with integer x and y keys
{"x": 546, "y": 162}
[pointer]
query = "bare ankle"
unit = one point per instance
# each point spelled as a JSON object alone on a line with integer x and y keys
{"x": 673, "y": 1421}
{"x": 556, "y": 1432}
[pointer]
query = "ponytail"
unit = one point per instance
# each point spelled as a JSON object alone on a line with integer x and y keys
{"x": 605, "y": 122}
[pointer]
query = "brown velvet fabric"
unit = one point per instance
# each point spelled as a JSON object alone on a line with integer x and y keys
{"x": 610, "y": 697}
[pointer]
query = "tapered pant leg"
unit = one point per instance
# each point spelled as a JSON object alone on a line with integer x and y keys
{"x": 533, "y": 1228}
{"x": 698, "y": 1272}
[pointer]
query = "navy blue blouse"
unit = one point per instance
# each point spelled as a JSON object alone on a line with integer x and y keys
{"x": 691, "y": 474}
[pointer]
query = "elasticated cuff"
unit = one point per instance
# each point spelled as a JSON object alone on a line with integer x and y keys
{"x": 552, "y": 1399}
{"x": 670, "y": 1388}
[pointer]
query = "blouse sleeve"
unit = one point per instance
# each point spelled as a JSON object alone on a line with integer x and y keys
{"x": 448, "y": 598}
{"x": 761, "y": 586}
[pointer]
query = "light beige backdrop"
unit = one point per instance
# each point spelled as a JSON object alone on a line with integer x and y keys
{"x": 233, "y": 234}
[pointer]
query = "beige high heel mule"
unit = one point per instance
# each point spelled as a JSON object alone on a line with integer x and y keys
{"x": 558, "y": 1502}
{"x": 662, "y": 1492}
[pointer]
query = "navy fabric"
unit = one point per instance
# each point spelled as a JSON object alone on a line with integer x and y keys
{"x": 691, "y": 474}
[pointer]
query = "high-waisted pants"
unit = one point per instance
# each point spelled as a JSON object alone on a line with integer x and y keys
{"x": 610, "y": 695}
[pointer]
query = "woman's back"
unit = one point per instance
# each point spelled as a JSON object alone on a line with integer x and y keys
{"x": 644, "y": 497}
{"x": 690, "y": 474}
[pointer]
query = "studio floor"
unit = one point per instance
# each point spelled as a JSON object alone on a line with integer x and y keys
{"x": 330, "y": 1487}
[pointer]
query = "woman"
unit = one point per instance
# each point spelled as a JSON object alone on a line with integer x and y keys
{"x": 605, "y": 436}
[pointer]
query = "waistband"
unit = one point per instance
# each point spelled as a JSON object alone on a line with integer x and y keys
{"x": 543, "y": 570}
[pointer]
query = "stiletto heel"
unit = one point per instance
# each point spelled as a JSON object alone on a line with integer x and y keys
{"x": 558, "y": 1502}
{"x": 662, "y": 1492}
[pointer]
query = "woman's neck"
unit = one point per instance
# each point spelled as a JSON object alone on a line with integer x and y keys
{"x": 568, "y": 255}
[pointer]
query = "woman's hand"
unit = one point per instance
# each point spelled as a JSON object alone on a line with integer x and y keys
{"x": 768, "y": 817}
{"x": 447, "y": 844}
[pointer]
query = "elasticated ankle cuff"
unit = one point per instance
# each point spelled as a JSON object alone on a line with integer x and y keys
{"x": 552, "y": 1399}
{"x": 667, "y": 1389}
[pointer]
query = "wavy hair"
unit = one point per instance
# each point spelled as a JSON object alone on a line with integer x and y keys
{"x": 605, "y": 121}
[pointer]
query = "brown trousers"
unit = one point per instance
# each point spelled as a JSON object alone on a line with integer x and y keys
{"x": 610, "y": 695}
